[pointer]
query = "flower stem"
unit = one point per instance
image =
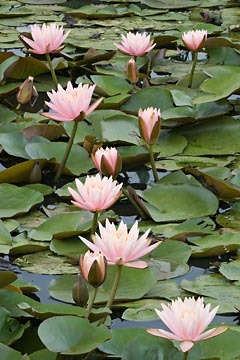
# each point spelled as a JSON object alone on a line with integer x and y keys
{"x": 134, "y": 203}
{"x": 152, "y": 161}
{"x": 193, "y": 68}
{"x": 113, "y": 290}
{"x": 185, "y": 355}
{"x": 67, "y": 152}
{"x": 91, "y": 302}
{"x": 94, "y": 222}
{"x": 54, "y": 77}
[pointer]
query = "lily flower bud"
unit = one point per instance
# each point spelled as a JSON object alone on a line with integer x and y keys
{"x": 93, "y": 268}
{"x": 149, "y": 122}
{"x": 27, "y": 91}
{"x": 80, "y": 292}
{"x": 108, "y": 161}
{"x": 132, "y": 71}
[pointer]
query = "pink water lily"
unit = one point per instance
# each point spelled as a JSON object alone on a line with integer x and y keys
{"x": 194, "y": 40}
{"x": 138, "y": 44}
{"x": 96, "y": 194}
{"x": 107, "y": 161}
{"x": 72, "y": 103}
{"x": 187, "y": 319}
{"x": 45, "y": 39}
{"x": 149, "y": 121}
{"x": 121, "y": 247}
{"x": 93, "y": 268}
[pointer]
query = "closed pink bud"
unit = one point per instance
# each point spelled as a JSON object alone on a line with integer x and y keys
{"x": 93, "y": 268}
{"x": 132, "y": 71}
{"x": 194, "y": 40}
{"x": 27, "y": 91}
{"x": 108, "y": 161}
{"x": 149, "y": 122}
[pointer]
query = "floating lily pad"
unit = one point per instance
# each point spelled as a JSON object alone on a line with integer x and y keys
{"x": 215, "y": 286}
{"x": 171, "y": 202}
{"x": 63, "y": 226}
{"x": 215, "y": 244}
{"x": 215, "y": 137}
{"x": 71, "y": 335}
{"x": 15, "y": 200}
{"x": 53, "y": 150}
{"x": 45, "y": 263}
{"x": 231, "y": 270}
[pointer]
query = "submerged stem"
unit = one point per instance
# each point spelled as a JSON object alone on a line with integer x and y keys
{"x": 153, "y": 165}
{"x": 67, "y": 152}
{"x": 54, "y": 77}
{"x": 193, "y": 69}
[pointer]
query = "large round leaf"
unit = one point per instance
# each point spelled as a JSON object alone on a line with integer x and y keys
{"x": 15, "y": 200}
{"x": 71, "y": 335}
{"x": 149, "y": 96}
{"x": 173, "y": 202}
{"x": 78, "y": 161}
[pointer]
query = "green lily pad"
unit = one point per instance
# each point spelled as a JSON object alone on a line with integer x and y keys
{"x": 5, "y": 236}
{"x": 45, "y": 263}
{"x": 8, "y": 353}
{"x": 215, "y": 286}
{"x": 10, "y": 328}
{"x": 218, "y": 136}
{"x": 6, "y": 278}
{"x": 111, "y": 85}
{"x": 71, "y": 335}
{"x": 215, "y": 244}
{"x": 53, "y": 150}
{"x": 221, "y": 188}
{"x": 231, "y": 270}
{"x": 156, "y": 97}
{"x": 139, "y": 341}
{"x": 63, "y": 226}
{"x": 15, "y": 200}
{"x": 174, "y": 202}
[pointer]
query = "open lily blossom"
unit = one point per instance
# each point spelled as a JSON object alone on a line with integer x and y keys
{"x": 138, "y": 44}
{"x": 121, "y": 247}
{"x": 107, "y": 161}
{"x": 194, "y": 40}
{"x": 71, "y": 103}
{"x": 187, "y": 319}
{"x": 149, "y": 121}
{"x": 96, "y": 194}
{"x": 45, "y": 39}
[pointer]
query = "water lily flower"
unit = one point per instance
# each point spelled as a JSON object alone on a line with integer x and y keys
{"x": 93, "y": 268}
{"x": 138, "y": 44}
{"x": 121, "y": 247}
{"x": 132, "y": 71}
{"x": 72, "y": 103}
{"x": 96, "y": 194}
{"x": 45, "y": 39}
{"x": 149, "y": 121}
{"x": 107, "y": 161}
{"x": 27, "y": 91}
{"x": 194, "y": 40}
{"x": 187, "y": 319}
